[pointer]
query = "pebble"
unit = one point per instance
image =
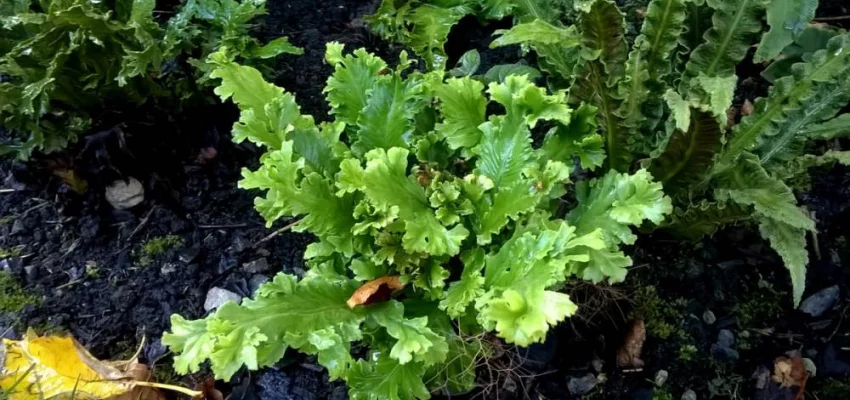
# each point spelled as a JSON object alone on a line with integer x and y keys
{"x": 216, "y": 297}
{"x": 661, "y": 377}
{"x": 583, "y": 384}
{"x": 239, "y": 244}
{"x": 689, "y": 395}
{"x": 125, "y": 194}
{"x": 168, "y": 268}
{"x": 761, "y": 376}
{"x": 189, "y": 254}
{"x": 708, "y": 317}
{"x": 820, "y": 302}
{"x": 257, "y": 266}
{"x": 597, "y": 364}
{"x": 256, "y": 281}
{"x": 724, "y": 349}
{"x": 31, "y": 272}
{"x": 18, "y": 228}
{"x": 226, "y": 263}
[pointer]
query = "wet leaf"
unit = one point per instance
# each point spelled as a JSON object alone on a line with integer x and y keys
{"x": 57, "y": 367}
{"x": 375, "y": 291}
{"x": 628, "y": 355}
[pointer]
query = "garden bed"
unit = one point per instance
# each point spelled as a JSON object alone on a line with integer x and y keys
{"x": 113, "y": 277}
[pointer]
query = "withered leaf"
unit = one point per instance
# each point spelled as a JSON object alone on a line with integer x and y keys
{"x": 375, "y": 291}
{"x": 790, "y": 372}
{"x": 628, "y": 355}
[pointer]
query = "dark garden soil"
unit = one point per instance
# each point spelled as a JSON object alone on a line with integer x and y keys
{"x": 717, "y": 312}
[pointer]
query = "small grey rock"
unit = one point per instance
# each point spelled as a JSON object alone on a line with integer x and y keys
{"x": 226, "y": 263}
{"x": 189, "y": 254}
{"x": 18, "y": 228}
{"x": 583, "y": 384}
{"x": 31, "y": 272}
{"x": 811, "y": 368}
{"x": 726, "y": 338}
{"x": 689, "y": 395}
{"x": 820, "y": 302}
{"x": 239, "y": 244}
{"x": 125, "y": 194}
{"x": 216, "y": 297}
{"x": 597, "y": 364}
{"x": 256, "y": 281}
{"x": 708, "y": 317}
{"x": 661, "y": 377}
{"x": 257, "y": 266}
{"x": 168, "y": 268}
{"x": 761, "y": 376}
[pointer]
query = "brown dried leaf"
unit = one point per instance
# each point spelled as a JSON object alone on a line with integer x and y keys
{"x": 747, "y": 108}
{"x": 375, "y": 291}
{"x": 628, "y": 355}
{"x": 790, "y": 372}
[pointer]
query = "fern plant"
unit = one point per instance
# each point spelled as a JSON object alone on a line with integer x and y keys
{"x": 663, "y": 105}
{"x": 64, "y": 61}
{"x": 414, "y": 182}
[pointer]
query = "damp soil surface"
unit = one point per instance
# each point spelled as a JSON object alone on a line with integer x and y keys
{"x": 717, "y": 313}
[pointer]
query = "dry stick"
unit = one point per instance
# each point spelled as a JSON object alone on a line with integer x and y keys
{"x": 141, "y": 224}
{"x": 275, "y": 233}
{"x": 222, "y": 226}
{"x": 8, "y": 190}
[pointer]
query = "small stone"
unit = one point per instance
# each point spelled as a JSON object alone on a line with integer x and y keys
{"x": 708, "y": 317}
{"x": 257, "y": 266}
{"x": 597, "y": 364}
{"x": 761, "y": 376}
{"x": 168, "y": 268}
{"x": 125, "y": 194}
{"x": 216, "y": 297}
{"x": 581, "y": 385}
{"x": 661, "y": 377}
{"x": 18, "y": 228}
{"x": 811, "y": 368}
{"x": 239, "y": 244}
{"x": 256, "y": 281}
{"x": 226, "y": 263}
{"x": 726, "y": 338}
{"x": 31, "y": 272}
{"x": 689, "y": 395}
{"x": 820, "y": 302}
{"x": 190, "y": 254}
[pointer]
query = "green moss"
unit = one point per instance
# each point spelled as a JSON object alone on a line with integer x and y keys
{"x": 833, "y": 389}
{"x": 14, "y": 298}
{"x": 661, "y": 394}
{"x": 156, "y": 246}
{"x": 664, "y": 318}
{"x": 760, "y": 307}
{"x": 11, "y": 252}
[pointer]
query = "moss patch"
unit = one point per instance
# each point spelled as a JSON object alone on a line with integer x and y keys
{"x": 156, "y": 246}
{"x": 14, "y": 299}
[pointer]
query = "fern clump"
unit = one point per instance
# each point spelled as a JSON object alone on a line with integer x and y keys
{"x": 414, "y": 182}
{"x": 663, "y": 105}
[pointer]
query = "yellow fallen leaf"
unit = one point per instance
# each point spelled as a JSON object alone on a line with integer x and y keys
{"x": 375, "y": 291}
{"x": 56, "y": 367}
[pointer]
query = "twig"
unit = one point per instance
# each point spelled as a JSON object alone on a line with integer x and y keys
{"x": 275, "y": 233}
{"x": 9, "y": 190}
{"x": 74, "y": 282}
{"x": 141, "y": 224}
{"x": 827, "y": 19}
{"x": 222, "y": 226}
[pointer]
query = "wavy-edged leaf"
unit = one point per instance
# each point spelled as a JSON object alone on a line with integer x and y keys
{"x": 689, "y": 155}
{"x": 603, "y": 31}
{"x": 648, "y": 66}
{"x": 353, "y": 77}
{"x": 462, "y": 294}
{"x": 285, "y": 312}
{"x": 385, "y": 181}
{"x": 387, "y": 120}
{"x": 838, "y": 127}
{"x": 697, "y": 22}
{"x": 789, "y": 139}
{"x": 414, "y": 340}
{"x": 787, "y": 20}
{"x": 792, "y": 93}
{"x": 748, "y": 184}
{"x": 580, "y": 137}
{"x": 704, "y": 219}
{"x": 462, "y": 106}
{"x": 790, "y": 243}
{"x": 735, "y": 27}
{"x": 386, "y": 379}
{"x": 536, "y": 32}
